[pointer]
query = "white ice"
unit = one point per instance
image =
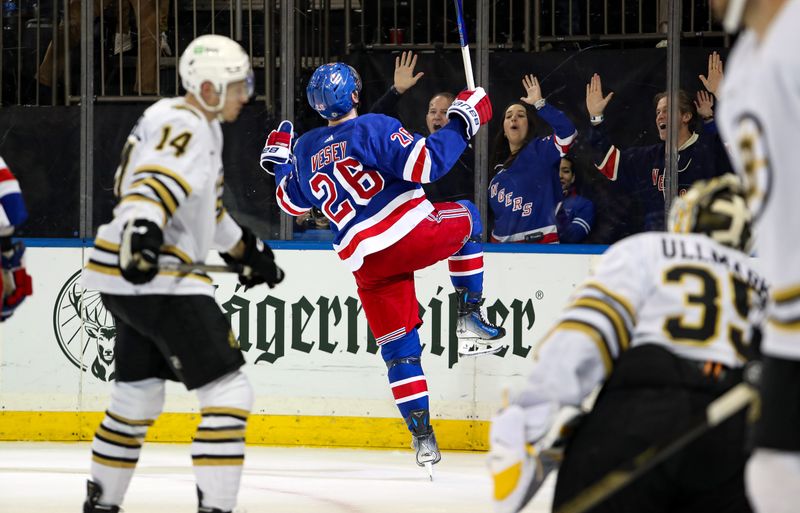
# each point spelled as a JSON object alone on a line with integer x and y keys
{"x": 50, "y": 478}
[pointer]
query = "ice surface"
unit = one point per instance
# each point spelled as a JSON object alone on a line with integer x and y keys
{"x": 50, "y": 478}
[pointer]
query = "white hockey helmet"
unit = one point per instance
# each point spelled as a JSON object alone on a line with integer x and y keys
{"x": 216, "y": 59}
{"x": 717, "y": 208}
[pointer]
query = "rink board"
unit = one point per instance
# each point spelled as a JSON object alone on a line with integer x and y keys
{"x": 316, "y": 370}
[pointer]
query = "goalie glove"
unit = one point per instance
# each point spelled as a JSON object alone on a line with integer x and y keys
{"x": 517, "y": 467}
{"x": 258, "y": 262}
{"x": 15, "y": 282}
{"x": 139, "y": 250}
{"x": 278, "y": 148}
{"x": 473, "y": 107}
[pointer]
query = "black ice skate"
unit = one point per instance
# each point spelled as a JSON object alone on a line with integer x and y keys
{"x": 206, "y": 509}
{"x": 423, "y": 440}
{"x": 93, "y": 493}
{"x": 474, "y": 331}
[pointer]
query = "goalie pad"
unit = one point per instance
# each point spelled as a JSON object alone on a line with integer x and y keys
{"x": 519, "y": 467}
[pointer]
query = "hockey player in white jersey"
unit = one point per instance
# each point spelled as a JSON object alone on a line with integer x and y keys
{"x": 665, "y": 325}
{"x": 758, "y": 117}
{"x": 169, "y": 184}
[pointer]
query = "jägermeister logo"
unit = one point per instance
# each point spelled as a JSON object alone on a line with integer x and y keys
{"x": 84, "y": 330}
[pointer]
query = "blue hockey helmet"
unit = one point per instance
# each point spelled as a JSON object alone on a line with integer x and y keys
{"x": 330, "y": 90}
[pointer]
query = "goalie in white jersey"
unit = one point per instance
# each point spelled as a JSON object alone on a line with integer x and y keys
{"x": 168, "y": 325}
{"x": 759, "y": 118}
{"x": 665, "y": 325}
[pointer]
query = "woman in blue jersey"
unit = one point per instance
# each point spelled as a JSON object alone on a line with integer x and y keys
{"x": 525, "y": 188}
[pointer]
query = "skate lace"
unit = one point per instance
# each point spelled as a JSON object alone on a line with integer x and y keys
{"x": 479, "y": 314}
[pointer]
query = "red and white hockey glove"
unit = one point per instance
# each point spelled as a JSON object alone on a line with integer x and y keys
{"x": 474, "y": 107}
{"x": 278, "y": 149}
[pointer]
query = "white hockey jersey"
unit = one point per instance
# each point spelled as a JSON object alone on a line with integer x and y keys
{"x": 759, "y": 116}
{"x": 684, "y": 292}
{"x": 171, "y": 174}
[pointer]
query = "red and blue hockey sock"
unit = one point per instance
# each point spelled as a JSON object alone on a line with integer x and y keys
{"x": 406, "y": 378}
{"x": 466, "y": 265}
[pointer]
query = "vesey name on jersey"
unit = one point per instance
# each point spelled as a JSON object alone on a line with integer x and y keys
{"x": 329, "y": 154}
{"x": 702, "y": 253}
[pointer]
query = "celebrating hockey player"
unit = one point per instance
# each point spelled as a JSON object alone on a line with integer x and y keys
{"x": 364, "y": 173}
{"x": 758, "y": 116}
{"x": 15, "y": 283}
{"x": 665, "y": 325}
{"x": 169, "y": 184}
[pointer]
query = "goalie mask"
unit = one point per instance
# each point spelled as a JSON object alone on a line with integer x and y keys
{"x": 717, "y": 208}
{"x": 216, "y": 59}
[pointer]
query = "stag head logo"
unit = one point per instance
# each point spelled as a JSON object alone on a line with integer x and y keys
{"x": 84, "y": 330}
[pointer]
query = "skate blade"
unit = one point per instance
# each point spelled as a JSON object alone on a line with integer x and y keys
{"x": 429, "y": 468}
{"x": 482, "y": 349}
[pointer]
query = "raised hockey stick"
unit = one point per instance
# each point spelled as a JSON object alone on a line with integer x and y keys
{"x": 462, "y": 36}
{"x": 720, "y": 409}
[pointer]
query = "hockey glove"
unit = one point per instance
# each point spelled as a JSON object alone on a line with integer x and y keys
{"x": 278, "y": 149}
{"x": 517, "y": 466}
{"x": 258, "y": 262}
{"x": 473, "y": 107}
{"x": 138, "y": 253}
{"x": 16, "y": 283}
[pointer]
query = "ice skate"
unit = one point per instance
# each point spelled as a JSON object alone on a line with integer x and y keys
{"x": 209, "y": 509}
{"x": 473, "y": 330}
{"x": 423, "y": 440}
{"x": 93, "y": 493}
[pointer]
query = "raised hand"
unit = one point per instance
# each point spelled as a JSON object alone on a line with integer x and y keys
{"x": 404, "y": 77}
{"x": 532, "y": 90}
{"x": 704, "y": 104}
{"x": 595, "y": 101}
{"x": 715, "y": 74}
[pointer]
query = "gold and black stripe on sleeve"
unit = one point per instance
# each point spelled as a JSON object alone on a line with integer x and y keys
{"x": 622, "y": 304}
{"x": 107, "y": 259}
{"x": 160, "y": 186}
{"x": 785, "y": 313}
{"x": 594, "y": 334}
{"x": 622, "y": 333}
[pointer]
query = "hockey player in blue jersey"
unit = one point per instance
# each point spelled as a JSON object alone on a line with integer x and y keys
{"x": 15, "y": 283}
{"x": 364, "y": 173}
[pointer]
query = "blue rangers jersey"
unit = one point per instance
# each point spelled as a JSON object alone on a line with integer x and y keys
{"x": 640, "y": 169}
{"x": 524, "y": 196}
{"x": 364, "y": 174}
{"x": 12, "y": 207}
